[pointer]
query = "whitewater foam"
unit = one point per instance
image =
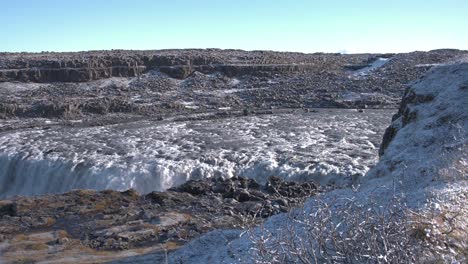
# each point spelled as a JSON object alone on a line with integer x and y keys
{"x": 332, "y": 146}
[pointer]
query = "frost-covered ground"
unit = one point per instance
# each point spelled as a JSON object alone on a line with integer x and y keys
{"x": 328, "y": 146}
{"x": 427, "y": 159}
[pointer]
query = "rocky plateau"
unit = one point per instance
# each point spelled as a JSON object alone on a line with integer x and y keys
{"x": 111, "y": 86}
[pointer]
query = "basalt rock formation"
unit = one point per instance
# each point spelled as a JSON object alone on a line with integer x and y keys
{"x": 88, "y": 66}
{"x": 132, "y": 84}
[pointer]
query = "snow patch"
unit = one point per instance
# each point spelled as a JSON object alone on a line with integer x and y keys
{"x": 428, "y": 65}
{"x": 380, "y": 62}
{"x": 234, "y": 82}
{"x": 189, "y": 105}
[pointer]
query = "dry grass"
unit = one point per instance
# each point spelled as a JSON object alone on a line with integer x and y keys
{"x": 62, "y": 234}
{"x": 443, "y": 228}
{"x": 49, "y": 221}
{"x": 21, "y": 237}
{"x": 24, "y": 261}
{"x": 102, "y": 205}
{"x": 171, "y": 245}
{"x": 36, "y": 246}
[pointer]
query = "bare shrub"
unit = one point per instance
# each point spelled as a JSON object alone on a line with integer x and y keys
{"x": 345, "y": 231}
{"x": 442, "y": 228}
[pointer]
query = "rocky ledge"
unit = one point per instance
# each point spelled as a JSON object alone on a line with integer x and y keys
{"x": 120, "y": 85}
{"x": 92, "y": 227}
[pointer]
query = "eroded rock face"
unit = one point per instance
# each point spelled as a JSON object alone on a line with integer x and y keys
{"x": 109, "y": 221}
{"x": 179, "y": 64}
{"x": 433, "y": 106}
{"x": 405, "y": 115}
{"x": 135, "y": 84}
{"x": 88, "y": 66}
{"x": 414, "y": 98}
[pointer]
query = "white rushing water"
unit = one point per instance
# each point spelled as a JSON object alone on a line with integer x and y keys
{"x": 331, "y": 146}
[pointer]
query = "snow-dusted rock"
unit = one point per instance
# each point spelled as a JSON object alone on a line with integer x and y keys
{"x": 430, "y": 131}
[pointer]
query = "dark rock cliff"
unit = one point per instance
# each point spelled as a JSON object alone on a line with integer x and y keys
{"x": 88, "y": 66}
{"x": 161, "y": 83}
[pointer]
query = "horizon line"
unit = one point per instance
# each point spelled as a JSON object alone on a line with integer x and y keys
{"x": 342, "y": 52}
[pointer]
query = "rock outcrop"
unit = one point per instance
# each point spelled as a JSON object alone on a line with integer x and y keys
{"x": 88, "y": 66}
{"x": 100, "y": 226}
{"x": 179, "y": 64}
{"x": 134, "y": 84}
{"x": 431, "y": 123}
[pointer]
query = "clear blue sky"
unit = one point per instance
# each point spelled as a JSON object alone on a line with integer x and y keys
{"x": 284, "y": 25}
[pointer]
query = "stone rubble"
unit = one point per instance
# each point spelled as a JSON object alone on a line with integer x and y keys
{"x": 109, "y": 221}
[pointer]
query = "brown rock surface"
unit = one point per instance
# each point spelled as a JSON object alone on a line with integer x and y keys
{"x": 93, "y": 227}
